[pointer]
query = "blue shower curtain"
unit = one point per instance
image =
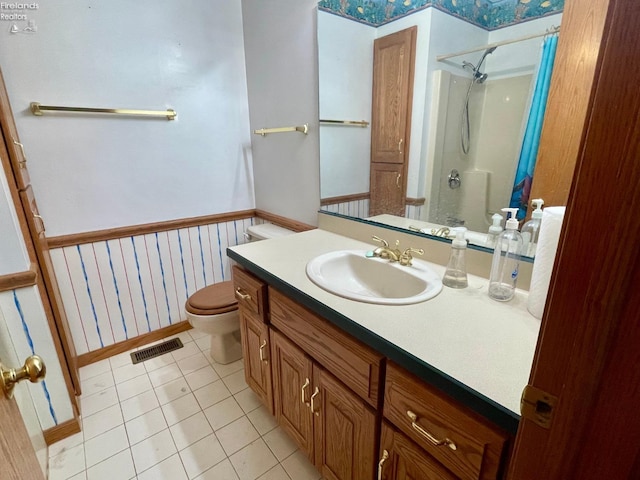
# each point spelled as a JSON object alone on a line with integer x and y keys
{"x": 531, "y": 141}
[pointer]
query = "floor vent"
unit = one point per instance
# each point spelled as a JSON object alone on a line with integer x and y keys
{"x": 156, "y": 350}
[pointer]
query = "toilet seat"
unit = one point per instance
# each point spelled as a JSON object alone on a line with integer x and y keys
{"x": 213, "y": 300}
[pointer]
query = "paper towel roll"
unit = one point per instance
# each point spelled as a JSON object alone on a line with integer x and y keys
{"x": 550, "y": 228}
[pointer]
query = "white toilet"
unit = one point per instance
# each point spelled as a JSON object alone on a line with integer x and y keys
{"x": 214, "y": 309}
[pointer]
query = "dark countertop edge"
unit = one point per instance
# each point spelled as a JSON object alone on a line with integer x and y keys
{"x": 479, "y": 403}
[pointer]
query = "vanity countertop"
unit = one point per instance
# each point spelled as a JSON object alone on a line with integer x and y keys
{"x": 477, "y": 350}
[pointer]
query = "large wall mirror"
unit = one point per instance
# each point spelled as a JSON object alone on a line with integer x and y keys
{"x": 465, "y": 124}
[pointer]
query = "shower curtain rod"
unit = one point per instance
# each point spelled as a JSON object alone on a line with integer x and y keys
{"x": 549, "y": 31}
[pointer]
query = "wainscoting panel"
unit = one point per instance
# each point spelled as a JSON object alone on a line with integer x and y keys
{"x": 413, "y": 212}
{"x": 355, "y": 208}
{"x": 118, "y": 289}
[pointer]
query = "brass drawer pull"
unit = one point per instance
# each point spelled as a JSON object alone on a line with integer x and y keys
{"x": 427, "y": 435}
{"x": 22, "y": 163}
{"x": 262, "y": 359}
{"x": 385, "y": 455}
{"x": 302, "y": 395}
{"x": 315, "y": 394}
{"x": 240, "y": 295}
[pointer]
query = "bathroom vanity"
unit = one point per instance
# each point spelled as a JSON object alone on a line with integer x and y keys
{"x": 429, "y": 390}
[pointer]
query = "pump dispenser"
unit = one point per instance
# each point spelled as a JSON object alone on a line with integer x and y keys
{"x": 494, "y": 230}
{"x": 506, "y": 260}
{"x": 456, "y": 274}
{"x": 531, "y": 229}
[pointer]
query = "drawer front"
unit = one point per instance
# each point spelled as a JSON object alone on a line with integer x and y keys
{"x": 458, "y": 438}
{"x": 349, "y": 360}
{"x": 250, "y": 292}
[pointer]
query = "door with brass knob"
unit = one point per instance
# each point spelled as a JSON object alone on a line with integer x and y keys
{"x": 33, "y": 370}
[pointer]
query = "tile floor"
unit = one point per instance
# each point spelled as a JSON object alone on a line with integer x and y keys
{"x": 177, "y": 416}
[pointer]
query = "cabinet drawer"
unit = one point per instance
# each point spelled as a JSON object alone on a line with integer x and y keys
{"x": 469, "y": 447}
{"x": 250, "y": 292}
{"x": 352, "y": 362}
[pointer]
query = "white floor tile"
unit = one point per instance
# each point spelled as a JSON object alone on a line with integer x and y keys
{"x": 180, "y": 409}
{"x": 127, "y": 372}
{"x": 133, "y": 387}
{"x": 248, "y": 400}
{"x": 194, "y": 362}
{"x": 119, "y": 466}
{"x": 223, "y": 470}
{"x": 299, "y": 467}
{"x": 276, "y": 473}
{"x": 97, "y": 383}
{"x": 138, "y": 405}
{"x": 262, "y": 420}
{"x": 171, "y": 391}
{"x": 201, "y": 377}
{"x": 145, "y": 426}
{"x": 188, "y": 350}
{"x": 190, "y": 430}
{"x": 223, "y": 413}
{"x": 183, "y": 336}
{"x": 253, "y": 460}
{"x": 196, "y": 334}
{"x": 225, "y": 370}
{"x": 212, "y": 394}
{"x": 94, "y": 369}
{"x": 204, "y": 344}
{"x": 202, "y": 455}
{"x": 280, "y": 443}
{"x": 104, "y": 420}
{"x": 169, "y": 469}
{"x": 235, "y": 382}
{"x": 237, "y": 435}
{"x": 67, "y": 463}
{"x": 121, "y": 359}
{"x": 158, "y": 362}
{"x": 80, "y": 476}
{"x": 106, "y": 445}
{"x": 91, "y": 404}
{"x": 164, "y": 374}
{"x": 66, "y": 444}
{"x": 152, "y": 451}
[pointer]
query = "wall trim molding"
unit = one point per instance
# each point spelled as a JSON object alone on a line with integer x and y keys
{"x": 134, "y": 230}
{"x": 345, "y": 198}
{"x": 284, "y": 221}
{"x": 121, "y": 347}
{"x": 12, "y": 281}
{"x": 417, "y": 202}
{"x": 61, "y": 431}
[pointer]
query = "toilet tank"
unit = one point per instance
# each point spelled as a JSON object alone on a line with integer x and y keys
{"x": 265, "y": 231}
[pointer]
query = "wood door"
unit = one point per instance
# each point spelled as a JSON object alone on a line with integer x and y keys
{"x": 344, "y": 431}
{"x": 14, "y": 146}
{"x": 393, "y": 66}
{"x": 292, "y": 375}
{"x": 388, "y": 186}
{"x": 255, "y": 350}
{"x": 401, "y": 459}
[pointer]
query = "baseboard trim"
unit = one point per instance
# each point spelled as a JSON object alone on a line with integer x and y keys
{"x": 121, "y": 347}
{"x": 61, "y": 431}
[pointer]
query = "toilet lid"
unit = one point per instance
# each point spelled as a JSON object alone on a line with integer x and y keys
{"x": 212, "y": 300}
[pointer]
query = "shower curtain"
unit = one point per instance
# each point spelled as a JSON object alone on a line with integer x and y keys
{"x": 531, "y": 141}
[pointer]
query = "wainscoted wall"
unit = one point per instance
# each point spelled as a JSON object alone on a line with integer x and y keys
{"x": 118, "y": 289}
{"x": 27, "y": 325}
{"x": 360, "y": 209}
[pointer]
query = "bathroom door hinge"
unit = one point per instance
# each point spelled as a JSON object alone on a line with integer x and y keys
{"x": 537, "y": 406}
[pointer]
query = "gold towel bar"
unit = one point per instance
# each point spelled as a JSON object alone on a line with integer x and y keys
{"x": 37, "y": 109}
{"x": 357, "y": 123}
{"x": 302, "y": 129}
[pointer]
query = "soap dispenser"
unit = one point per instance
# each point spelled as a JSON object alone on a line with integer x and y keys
{"x": 506, "y": 260}
{"x": 456, "y": 274}
{"x": 531, "y": 229}
{"x": 494, "y": 230}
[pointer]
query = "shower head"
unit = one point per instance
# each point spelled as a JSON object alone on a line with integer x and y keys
{"x": 478, "y": 76}
{"x": 484, "y": 55}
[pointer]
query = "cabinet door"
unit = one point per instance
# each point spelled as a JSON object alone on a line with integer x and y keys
{"x": 292, "y": 371}
{"x": 255, "y": 349}
{"x": 344, "y": 431}
{"x": 401, "y": 459}
{"x": 387, "y": 189}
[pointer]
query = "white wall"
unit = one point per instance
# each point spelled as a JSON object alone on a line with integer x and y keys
{"x": 345, "y": 61}
{"x": 91, "y": 173}
{"x": 282, "y": 78}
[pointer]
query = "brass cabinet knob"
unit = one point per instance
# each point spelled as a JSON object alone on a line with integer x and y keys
{"x": 34, "y": 370}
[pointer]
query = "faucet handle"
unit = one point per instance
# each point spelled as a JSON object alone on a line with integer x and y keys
{"x": 406, "y": 257}
{"x": 380, "y": 240}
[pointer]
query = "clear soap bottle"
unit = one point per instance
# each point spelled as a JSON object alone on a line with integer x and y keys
{"x": 456, "y": 274}
{"x": 506, "y": 260}
{"x": 531, "y": 229}
{"x": 494, "y": 230}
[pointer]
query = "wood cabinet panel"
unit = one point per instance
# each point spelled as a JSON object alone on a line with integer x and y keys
{"x": 255, "y": 350}
{"x": 401, "y": 459}
{"x": 478, "y": 446}
{"x": 344, "y": 431}
{"x": 349, "y": 360}
{"x": 251, "y": 293}
{"x": 388, "y": 184}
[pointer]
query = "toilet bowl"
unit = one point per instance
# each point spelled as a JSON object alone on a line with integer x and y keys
{"x": 214, "y": 309}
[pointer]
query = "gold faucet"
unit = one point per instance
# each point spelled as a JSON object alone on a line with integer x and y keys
{"x": 404, "y": 258}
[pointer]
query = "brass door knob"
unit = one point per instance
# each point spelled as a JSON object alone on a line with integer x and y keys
{"x": 33, "y": 369}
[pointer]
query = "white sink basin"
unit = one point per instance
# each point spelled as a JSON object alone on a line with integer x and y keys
{"x": 350, "y": 274}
